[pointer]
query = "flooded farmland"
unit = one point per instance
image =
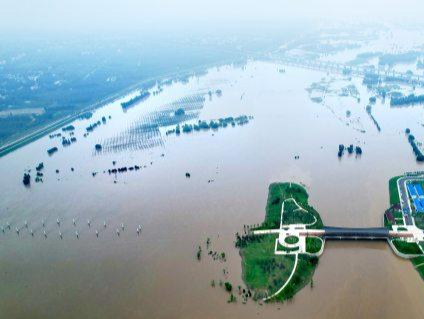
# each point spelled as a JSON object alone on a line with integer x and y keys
{"x": 298, "y": 118}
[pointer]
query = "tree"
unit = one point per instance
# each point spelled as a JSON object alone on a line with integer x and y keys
{"x": 228, "y": 286}
{"x": 27, "y": 179}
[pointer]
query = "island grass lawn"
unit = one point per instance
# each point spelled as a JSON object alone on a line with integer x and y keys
{"x": 406, "y": 248}
{"x": 291, "y": 240}
{"x": 419, "y": 220}
{"x": 305, "y": 269}
{"x": 313, "y": 245}
{"x": 293, "y": 216}
{"x": 277, "y": 193}
{"x": 393, "y": 191}
{"x": 264, "y": 272}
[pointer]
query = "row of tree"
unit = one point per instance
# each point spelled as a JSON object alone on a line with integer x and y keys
{"x": 411, "y": 139}
{"x": 405, "y": 100}
{"x": 350, "y": 149}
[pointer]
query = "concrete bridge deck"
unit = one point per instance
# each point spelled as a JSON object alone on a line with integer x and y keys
{"x": 348, "y": 233}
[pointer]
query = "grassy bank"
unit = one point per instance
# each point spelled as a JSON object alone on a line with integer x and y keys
{"x": 393, "y": 191}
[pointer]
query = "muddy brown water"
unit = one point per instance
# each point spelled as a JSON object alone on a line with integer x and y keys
{"x": 156, "y": 275}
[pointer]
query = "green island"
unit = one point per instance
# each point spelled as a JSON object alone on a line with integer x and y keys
{"x": 280, "y": 255}
{"x": 277, "y": 260}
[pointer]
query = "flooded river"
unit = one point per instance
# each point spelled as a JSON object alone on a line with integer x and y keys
{"x": 156, "y": 274}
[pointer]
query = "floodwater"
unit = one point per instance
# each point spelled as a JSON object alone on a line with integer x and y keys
{"x": 156, "y": 274}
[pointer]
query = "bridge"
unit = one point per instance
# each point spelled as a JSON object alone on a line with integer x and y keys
{"x": 358, "y": 71}
{"x": 348, "y": 233}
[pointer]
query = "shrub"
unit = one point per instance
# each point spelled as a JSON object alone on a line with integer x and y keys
{"x": 228, "y": 286}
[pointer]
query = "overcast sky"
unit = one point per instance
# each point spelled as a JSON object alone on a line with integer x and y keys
{"x": 132, "y": 14}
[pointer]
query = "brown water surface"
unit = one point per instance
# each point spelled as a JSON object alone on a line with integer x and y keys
{"x": 156, "y": 275}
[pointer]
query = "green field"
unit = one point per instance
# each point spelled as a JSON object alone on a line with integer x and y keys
{"x": 406, "y": 248}
{"x": 304, "y": 272}
{"x": 393, "y": 191}
{"x": 313, "y": 245}
{"x": 264, "y": 272}
{"x": 278, "y": 192}
{"x": 292, "y": 240}
{"x": 419, "y": 220}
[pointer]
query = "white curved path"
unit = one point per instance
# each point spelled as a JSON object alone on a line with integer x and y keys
{"x": 286, "y": 283}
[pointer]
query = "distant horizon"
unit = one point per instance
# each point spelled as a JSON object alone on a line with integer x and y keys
{"x": 47, "y": 16}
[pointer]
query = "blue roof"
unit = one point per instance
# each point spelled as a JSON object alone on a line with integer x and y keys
{"x": 412, "y": 190}
{"x": 418, "y": 205}
{"x": 419, "y": 190}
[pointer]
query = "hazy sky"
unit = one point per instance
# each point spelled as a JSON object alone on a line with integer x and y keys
{"x": 132, "y": 14}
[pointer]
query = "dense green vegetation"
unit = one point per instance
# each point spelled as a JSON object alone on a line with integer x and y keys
{"x": 278, "y": 192}
{"x": 292, "y": 240}
{"x": 213, "y": 124}
{"x": 138, "y": 98}
{"x": 304, "y": 272}
{"x": 292, "y": 215}
{"x": 393, "y": 191}
{"x": 407, "y": 100}
{"x": 313, "y": 245}
{"x": 419, "y": 155}
{"x": 419, "y": 220}
{"x": 263, "y": 271}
